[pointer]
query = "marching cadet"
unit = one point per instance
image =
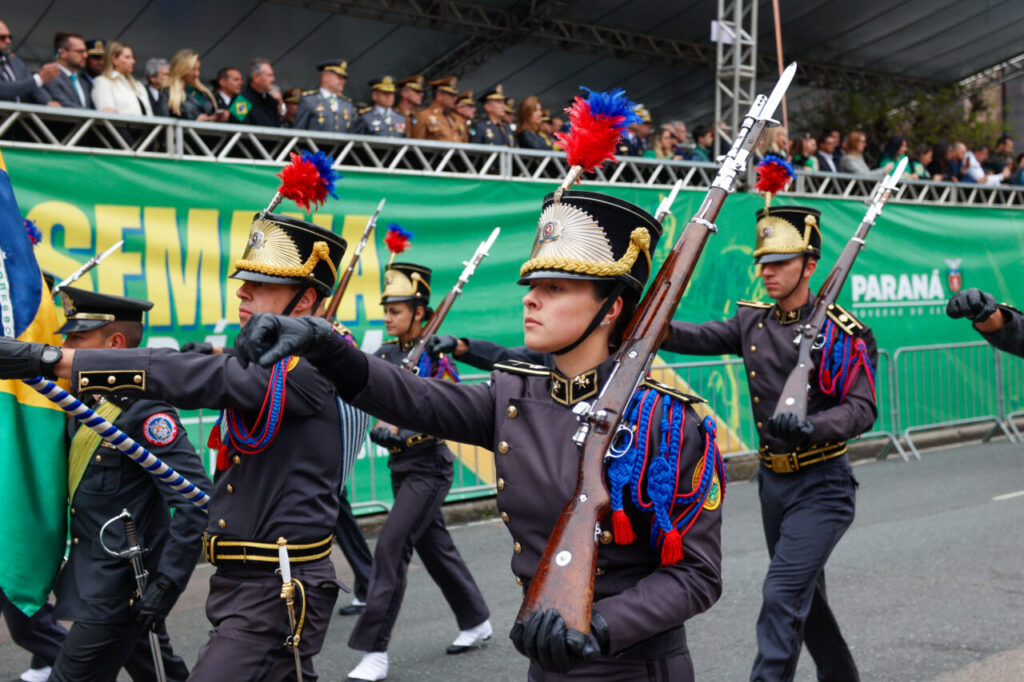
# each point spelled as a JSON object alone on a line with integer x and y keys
{"x": 279, "y": 441}
{"x": 98, "y": 591}
{"x": 493, "y": 129}
{"x": 381, "y": 119}
{"x": 437, "y": 121}
{"x": 579, "y": 302}
{"x": 806, "y": 484}
{"x": 327, "y": 108}
{"x": 410, "y": 98}
{"x": 465, "y": 107}
{"x": 421, "y": 474}
{"x": 1000, "y": 324}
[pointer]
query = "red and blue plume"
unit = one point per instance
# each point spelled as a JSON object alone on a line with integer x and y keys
{"x": 596, "y": 124}
{"x": 308, "y": 179}
{"x": 397, "y": 239}
{"x": 774, "y": 174}
{"x": 34, "y": 235}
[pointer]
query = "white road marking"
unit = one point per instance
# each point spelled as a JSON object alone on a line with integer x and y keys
{"x": 1008, "y": 496}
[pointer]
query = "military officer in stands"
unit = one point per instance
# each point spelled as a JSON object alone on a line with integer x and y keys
{"x": 437, "y": 121}
{"x": 279, "y": 465}
{"x": 98, "y": 591}
{"x": 1000, "y": 324}
{"x": 465, "y": 107}
{"x": 381, "y": 119}
{"x": 327, "y": 108}
{"x": 492, "y": 128}
{"x": 410, "y": 98}
{"x": 806, "y": 485}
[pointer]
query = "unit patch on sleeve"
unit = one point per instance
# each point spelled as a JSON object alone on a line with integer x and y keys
{"x": 160, "y": 429}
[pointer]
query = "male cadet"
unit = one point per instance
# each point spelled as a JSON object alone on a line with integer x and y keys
{"x": 381, "y": 119}
{"x": 465, "y": 108}
{"x": 327, "y": 109}
{"x": 98, "y": 591}
{"x": 279, "y": 459}
{"x": 492, "y": 129}
{"x": 1000, "y": 324}
{"x": 437, "y": 121}
{"x": 806, "y": 485}
{"x": 410, "y": 98}
{"x": 255, "y": 105}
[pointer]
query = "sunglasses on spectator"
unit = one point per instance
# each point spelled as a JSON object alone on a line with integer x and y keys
{"x": 6, "y": 36}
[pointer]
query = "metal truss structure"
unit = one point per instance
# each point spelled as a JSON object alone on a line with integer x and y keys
{"x": 736, "y": 68}
{"x": 27, "y": 126}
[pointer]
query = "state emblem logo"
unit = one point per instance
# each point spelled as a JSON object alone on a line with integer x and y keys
{"x": 160, "y": 429}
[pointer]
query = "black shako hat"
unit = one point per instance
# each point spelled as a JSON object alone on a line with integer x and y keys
{"x": 784, "y": 232}
{"x": 86, "y": 310}
{"x": 586, "y": 235}
{"x": 283, "y": 250}
{"x": 406, "y": 282}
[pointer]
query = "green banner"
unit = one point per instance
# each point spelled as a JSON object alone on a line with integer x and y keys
{"x": 185, "y": 222}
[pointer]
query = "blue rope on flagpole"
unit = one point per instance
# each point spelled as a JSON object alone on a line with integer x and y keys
{"x": 120, "y": 440}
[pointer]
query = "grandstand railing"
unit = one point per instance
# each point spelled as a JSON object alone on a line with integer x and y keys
{"x": 30, "y": 126}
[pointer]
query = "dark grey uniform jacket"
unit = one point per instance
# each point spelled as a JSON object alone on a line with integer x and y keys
{"x": 290, "y": 489}
{"x": 487, "y": 132}
{"x": 537, "y": 464}
{"x": 316, "y": 112}
{"x": 373, "y": 122}
{"x": 1011, "y": 337}
{"x": 95, "y": 587}
{"x": 763, "y": 336}
{"x": 23, "y": 87}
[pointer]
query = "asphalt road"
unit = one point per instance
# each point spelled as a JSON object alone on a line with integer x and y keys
{"x": 928, "y": 584}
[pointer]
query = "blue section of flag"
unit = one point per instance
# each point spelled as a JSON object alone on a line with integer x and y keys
{"x": 24, "y": 280}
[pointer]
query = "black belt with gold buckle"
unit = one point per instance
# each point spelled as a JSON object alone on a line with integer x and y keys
{"x": 413, "y": 441}
{"x": 791, "y": 462}
{"x": 219, "y": 551}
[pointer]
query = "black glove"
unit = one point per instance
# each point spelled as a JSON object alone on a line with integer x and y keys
{"x": 788, "y": 427}
{"x": 973, "y": 304}
{"x": 156, "y": 602}
{"x": 21, "y": 360}
{"x": 385, "y": 437}
{"x": 436, "y": 345}
{"x": 268, "y": 338}
{"x": 197, "y": 347}
{"x": 546, "y": 641}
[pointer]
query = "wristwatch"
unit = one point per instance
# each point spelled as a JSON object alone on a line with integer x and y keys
{"x": 49, "y": 358}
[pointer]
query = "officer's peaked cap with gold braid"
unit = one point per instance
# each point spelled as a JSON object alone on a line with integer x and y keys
{"x": 85, "y": 310}
{"x": 406, "y": 282}
{"x": 784, "y": 232}
{"x": 586, "y": 235}
{"x": 283, "y": 250}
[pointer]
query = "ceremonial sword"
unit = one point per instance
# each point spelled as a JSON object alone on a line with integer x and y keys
{"x": 133, "y": 554}
{"x": 288, "y": 594}
{"x": 89, "y": 265}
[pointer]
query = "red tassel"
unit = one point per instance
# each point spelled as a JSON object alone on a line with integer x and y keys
{"x": 671, "y": 548}
{"x": 213, "y": 441}
{"x": 622, "y": 528}
{"x": 222, "y": 458}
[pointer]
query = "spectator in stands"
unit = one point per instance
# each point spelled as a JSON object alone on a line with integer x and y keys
{"x": 957, "y": 156}
{"x": 157, "y": 71}
{"x": 895, "y": 149}
{"x": 776, "y": 141}
{"x": 16, "y": 83}
{"x": 642, "y": 130}
{"x": 805, "y": 152}
{"x": 826, "y": 146}
{"x": 920, "y": 161}
{"x": 940, "y": 167}
{"x": 69, "y": 89}
{"x": 704, "y": 137}
{"x": 186, "y": 95}
{"x": 853, "y": 154}
{"x": 116, "y": 90}
{"x": 437, "y": 122}
{"x": 545, "y": 123}
{"x": 510, "y": 113}
{"x": 529, "y": 129}
{"x": 327, "y": 108}
{"x": 410, "y": 98}
{"x": 96, "y": 53}
{"x": 1017, "y": 171}
{"x": 973, "y": 168}
{"x": 465, "y": 111}
{"x": 838, "y": 152}
{"x": 662, "y": 144}
{"x": 682, "y": 137}
{"x": 291, "y": 105}
{"x": 229, "y": 86}
{"x": 557, "y": 124}
{"x": 1001, "y": 156}
{"x": 254, "y": 104}
{"x": 381, "y": 119}
{"x": 493, "y": 128}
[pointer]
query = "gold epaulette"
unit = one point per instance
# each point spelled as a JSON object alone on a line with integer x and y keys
{"x": 347, "y": 99}
{"x": 340, "y": 328}
{"x": 520, "y": 367}
{"x": 845, "y": 320}
{"x": 365, "y": 110}
{"x": 669, "y": 391}
{"x": 754, "y": 304}
{"x": 305, "y": 93}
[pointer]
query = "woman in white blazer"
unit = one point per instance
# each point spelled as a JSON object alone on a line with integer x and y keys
{"x": 115, "y": 90}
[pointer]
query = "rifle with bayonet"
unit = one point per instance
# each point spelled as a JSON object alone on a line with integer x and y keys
{"x": 332, "y": 310}
{"x": 411, "y": 361}
{"x": 89, "y": 265}
{"x": 565, "y": 576}
{"x": 665, "y": 207}
{"x": 794, "y": 394}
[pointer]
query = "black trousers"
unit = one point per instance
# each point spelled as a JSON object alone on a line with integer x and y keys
{"x": 416, "y": 522}
{"x": 41, "y": 635}
{"x": 353, "y": 545}
{"x": 804, "y": 515}
{"x": 96, "y": 652}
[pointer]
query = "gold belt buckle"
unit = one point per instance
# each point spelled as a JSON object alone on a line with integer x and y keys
{"x": 784, "y": 464}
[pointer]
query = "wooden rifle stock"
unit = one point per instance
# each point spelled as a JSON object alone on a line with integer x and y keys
{"x": 332, "y": 310}
{"x": 564, "y": 579}
{"x": 794, "y": 393}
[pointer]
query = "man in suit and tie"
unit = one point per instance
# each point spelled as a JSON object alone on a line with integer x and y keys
{"x": 229, "y": 84}
{"x": 16, "y": 83}
{"x": 69, "y": 88}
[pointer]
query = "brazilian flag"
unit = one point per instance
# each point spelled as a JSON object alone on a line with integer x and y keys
{"x": 33, "y": 452}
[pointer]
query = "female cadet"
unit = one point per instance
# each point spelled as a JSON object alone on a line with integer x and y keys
{"x": 590, "y": 260}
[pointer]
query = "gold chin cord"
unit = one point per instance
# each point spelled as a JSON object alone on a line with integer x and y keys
{"x": 288, "y": 594}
